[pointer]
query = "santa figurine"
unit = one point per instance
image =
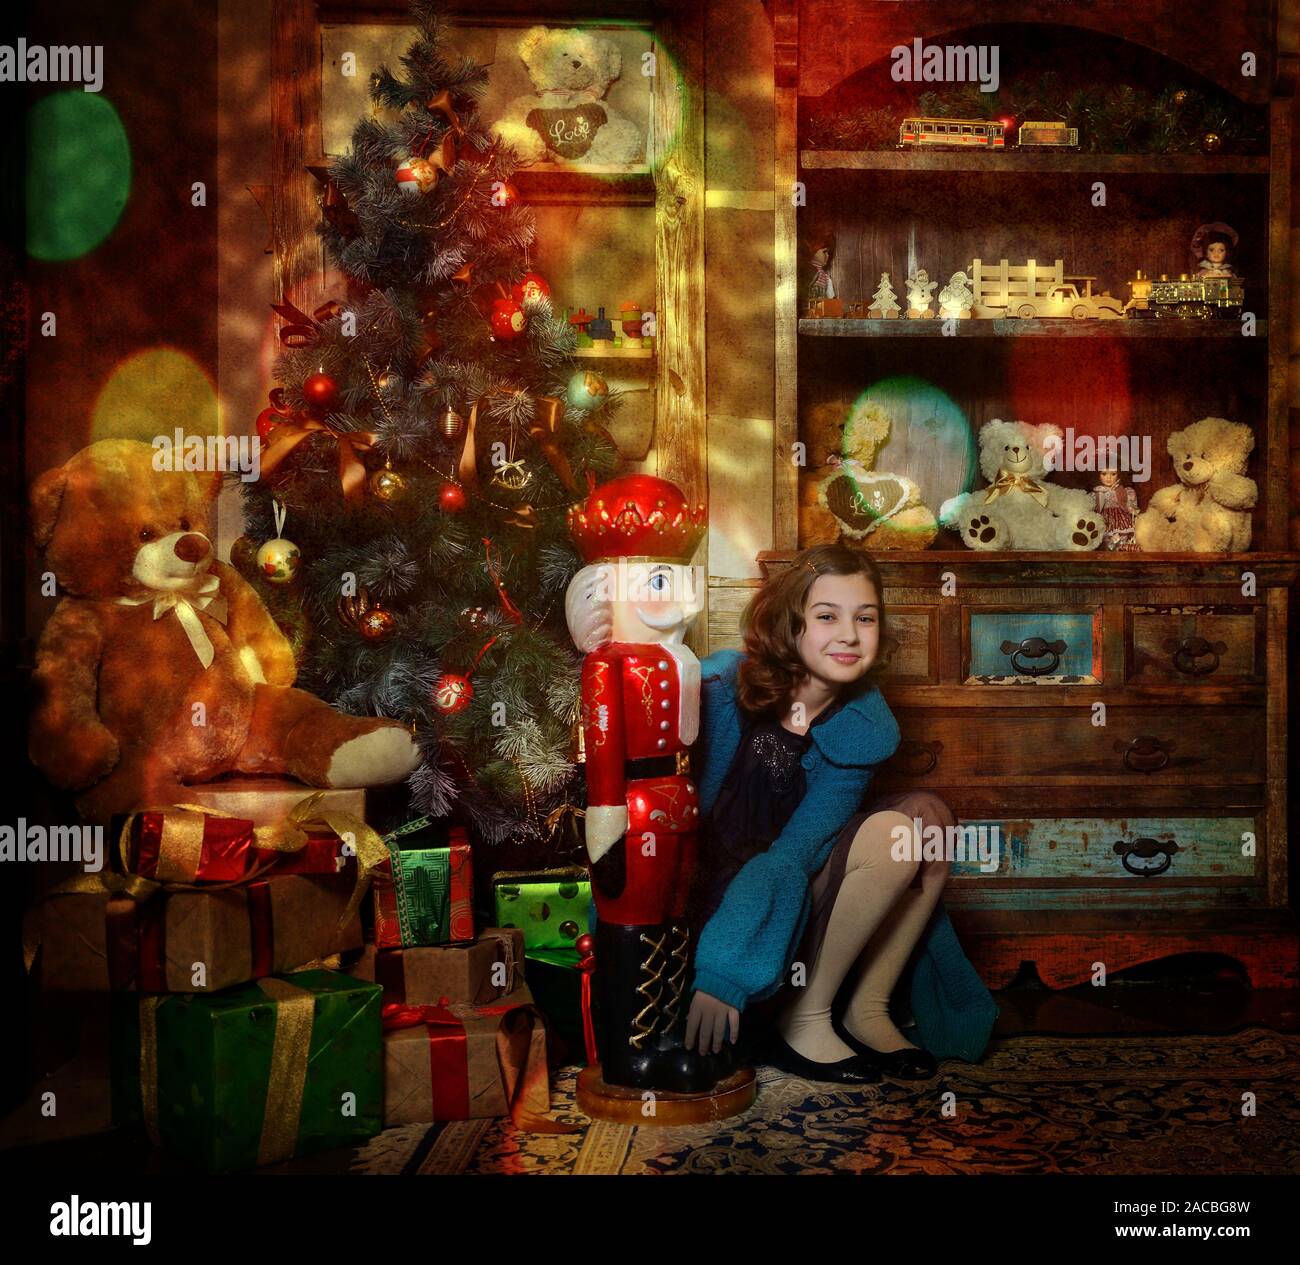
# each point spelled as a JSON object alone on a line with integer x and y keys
{"x": 627, "y": 611}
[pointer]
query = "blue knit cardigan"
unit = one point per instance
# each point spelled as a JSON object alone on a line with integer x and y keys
{"x": 746, "y": 947}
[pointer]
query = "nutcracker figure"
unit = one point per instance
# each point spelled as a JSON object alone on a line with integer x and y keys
{"x": 627, "y": 611}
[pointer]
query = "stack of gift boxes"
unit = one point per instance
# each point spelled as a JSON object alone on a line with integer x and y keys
{"x": 252, "y": 1020}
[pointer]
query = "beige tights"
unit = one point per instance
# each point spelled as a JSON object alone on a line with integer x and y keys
{"x": 875, "y": 924}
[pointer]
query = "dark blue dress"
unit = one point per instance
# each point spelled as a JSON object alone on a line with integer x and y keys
{"x": 759, "y": 794}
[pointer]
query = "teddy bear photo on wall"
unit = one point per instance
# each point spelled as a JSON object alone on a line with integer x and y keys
{"x": 1208, "y": 509}
{"x": 1021, "y": 509}
{"x": 160, "y": 667}
{"x": 567, "y": 118}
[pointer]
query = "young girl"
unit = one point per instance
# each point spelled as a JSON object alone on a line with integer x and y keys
{"x": 792, "y": 870}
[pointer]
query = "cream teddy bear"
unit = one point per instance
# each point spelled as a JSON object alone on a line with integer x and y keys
{"x": 1021, "y": 510}
{"x": 567, "y": 118}
{"x": 1208, "y": 510}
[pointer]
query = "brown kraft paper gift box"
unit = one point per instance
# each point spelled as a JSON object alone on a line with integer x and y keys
{"x": 460, "y": 973}
{"x": 97, "y": 941}
{"x": 473, "y": 1064}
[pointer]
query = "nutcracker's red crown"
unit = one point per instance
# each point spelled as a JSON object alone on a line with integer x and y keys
{"x": 637, "y": 516}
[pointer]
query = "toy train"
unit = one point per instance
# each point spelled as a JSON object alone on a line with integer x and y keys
{"x": 927, "y": 133}
{"x": 1185, "y": 298}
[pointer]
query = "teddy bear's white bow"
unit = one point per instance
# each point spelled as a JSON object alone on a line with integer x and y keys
{"x": 199, "y": 595}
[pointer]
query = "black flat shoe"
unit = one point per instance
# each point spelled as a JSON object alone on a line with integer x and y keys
{"x": 851, "y": 1071}
{"x": 907, "y": 1064}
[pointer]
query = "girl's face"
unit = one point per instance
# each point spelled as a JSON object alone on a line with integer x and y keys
{"x": 1216, "y": 252}
{"x": 841, "y": 635}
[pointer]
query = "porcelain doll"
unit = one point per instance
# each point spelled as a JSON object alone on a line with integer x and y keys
{"x": 1118, "y": 506}
{"x": 1212, "y": 247}
{"x": 821, "y": 286}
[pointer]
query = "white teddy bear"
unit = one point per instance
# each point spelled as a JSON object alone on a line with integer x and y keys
{"x": 1021, "y": 510}
{"x": 567, "y": 118}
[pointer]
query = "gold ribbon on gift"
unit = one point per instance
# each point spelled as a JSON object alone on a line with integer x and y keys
{"x": 182, "y": 844}
{"x": 287, "y": 435}
{"x": 295, "y": 1010}
{"x": 543, "y": 430}
{"x": 1006, "y": 482}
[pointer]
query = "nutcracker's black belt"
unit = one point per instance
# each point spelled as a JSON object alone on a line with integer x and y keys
{"x": 650, "y": 766}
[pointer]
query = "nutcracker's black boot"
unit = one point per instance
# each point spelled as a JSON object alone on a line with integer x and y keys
{"x": 687, "y": 1071}
{"x": 629, "y": 987}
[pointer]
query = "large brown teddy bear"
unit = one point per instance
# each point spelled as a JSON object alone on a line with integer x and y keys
{"x": 153, "y": 627}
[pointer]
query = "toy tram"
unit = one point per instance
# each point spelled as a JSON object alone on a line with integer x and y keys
{"x": 928, "y": 133}
{"x": 1187, "y": 297}
{"x": 922, "y": 133}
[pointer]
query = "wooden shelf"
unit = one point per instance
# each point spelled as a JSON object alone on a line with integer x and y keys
{"x": 1065, "y": 567}
{"x": 615, "y": 353}
{"x": 1019, "y": 161}
{"x": 1014, "y": 327}
{"x": 559, "y": 187}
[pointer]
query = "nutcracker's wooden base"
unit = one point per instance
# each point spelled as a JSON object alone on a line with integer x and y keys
{"x": 631, "y": 1106}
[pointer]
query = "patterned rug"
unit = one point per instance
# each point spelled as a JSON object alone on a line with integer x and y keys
{"x": 1113, "y": 1105}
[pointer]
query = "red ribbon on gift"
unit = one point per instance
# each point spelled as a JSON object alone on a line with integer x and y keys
{"x": 449, "y": 1062}
{"x": 136, "y": 939}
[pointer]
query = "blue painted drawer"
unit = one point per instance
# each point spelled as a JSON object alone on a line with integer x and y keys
{"x": 1020, "y": 647}
{"x": 1152, "y": 852}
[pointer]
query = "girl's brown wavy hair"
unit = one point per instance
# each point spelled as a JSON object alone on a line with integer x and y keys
{"x": 773, "y": 622}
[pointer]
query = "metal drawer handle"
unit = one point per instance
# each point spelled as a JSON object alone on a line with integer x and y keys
{"x": 1186, "y": 652}
{"x": 1145, "y": 754}
{"x": 1034, "y": 648}
{"x": 1146, "y": 849}
{"x": 927, "y": 753}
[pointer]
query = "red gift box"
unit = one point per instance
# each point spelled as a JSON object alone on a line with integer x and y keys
{"x": 411, "y": 906}
{"x": 180, "y": 846}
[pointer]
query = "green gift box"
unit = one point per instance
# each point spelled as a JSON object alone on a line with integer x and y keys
{"x": 424, "y": 896}
{"x": 266, "y": 1071}
{"x": 555, "y": 982}
{"x": 551, "y": 907}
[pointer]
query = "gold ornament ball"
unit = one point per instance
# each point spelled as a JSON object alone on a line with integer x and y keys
{"x": 278, "y": 560}
{"x": 386, "y": 381}
{"x": 376, "y": 623}
{"x": 1180, "y": 96}
{"x": 388, "y": 485}
{"x": 451, "y": 424}
{"x": 1211, "y": 142}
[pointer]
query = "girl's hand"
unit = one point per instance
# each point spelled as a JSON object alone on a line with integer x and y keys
{"x": 711, "y": 1018}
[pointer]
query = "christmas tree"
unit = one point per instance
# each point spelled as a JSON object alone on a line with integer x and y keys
{"x": 426, "y": 438}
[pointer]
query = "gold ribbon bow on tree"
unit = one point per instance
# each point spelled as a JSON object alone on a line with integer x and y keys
{"x": 1006, "y": 482}
{"x": 285, "y": 436}
{"x": 543, "y": 429}
{"x": 303, "y": 330}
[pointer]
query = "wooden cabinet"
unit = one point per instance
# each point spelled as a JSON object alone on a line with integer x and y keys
{"x": 1140, "y": 787}
{"x": 1115, "y": 721}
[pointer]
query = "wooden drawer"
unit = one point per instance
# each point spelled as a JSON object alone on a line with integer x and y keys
{"x": 1019, "y": 646}
{"x": 1194, "y": 645}
{"x": 915, "y": 630}
{"x": 1140, "y": 745}
{"x": 1152, "y": 852}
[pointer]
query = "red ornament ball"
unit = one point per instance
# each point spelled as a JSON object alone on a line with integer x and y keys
{"x": 451, "y": 498}
{"x": 267, "y": 418}
{"x": 507, "y": 319}
{"x": 320, "y": 390}
{"x": 452, "y": 693}
{"x": 530, "y": 286}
